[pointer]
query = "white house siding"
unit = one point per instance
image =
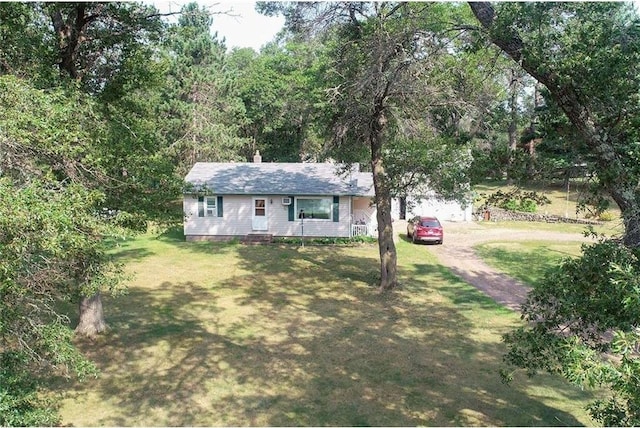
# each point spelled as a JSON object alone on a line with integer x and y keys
{"x": 444, "y": 210}
{"x": 236, "y": 220}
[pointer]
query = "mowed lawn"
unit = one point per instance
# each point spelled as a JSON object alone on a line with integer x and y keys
{"x": 235, "y": 335}
{"x": 527, "y": 260}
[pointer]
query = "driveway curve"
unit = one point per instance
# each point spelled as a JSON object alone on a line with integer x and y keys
{"x": 457, "y": 254}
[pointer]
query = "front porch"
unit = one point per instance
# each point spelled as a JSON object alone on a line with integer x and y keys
{"x": 363, "y": 221}
{"x": 360, "y": 230}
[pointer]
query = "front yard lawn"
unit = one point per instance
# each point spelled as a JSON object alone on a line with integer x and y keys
{"x": 526, "y": 260}
{"x": 228, "y": 334}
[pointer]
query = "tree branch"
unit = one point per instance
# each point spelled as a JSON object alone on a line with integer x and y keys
{"x": 564, "y": 94}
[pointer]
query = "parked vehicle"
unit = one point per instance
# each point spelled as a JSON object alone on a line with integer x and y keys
{"x": 425, "y": 229}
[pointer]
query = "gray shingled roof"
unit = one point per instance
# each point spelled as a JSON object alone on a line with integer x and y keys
{"x": 280, "y": 179}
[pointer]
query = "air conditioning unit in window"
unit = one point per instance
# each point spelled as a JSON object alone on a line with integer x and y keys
{"x": 286, "y": 201}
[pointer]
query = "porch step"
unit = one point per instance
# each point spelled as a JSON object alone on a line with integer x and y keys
{"x": 257, "y": 238}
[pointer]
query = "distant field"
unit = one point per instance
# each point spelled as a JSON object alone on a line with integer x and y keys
{"x": 564, "y": 201}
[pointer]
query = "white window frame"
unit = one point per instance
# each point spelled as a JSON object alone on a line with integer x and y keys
{"x": 207, "y": 207}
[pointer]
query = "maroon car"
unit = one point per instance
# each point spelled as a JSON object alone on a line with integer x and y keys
{"x": 425, "y": 229}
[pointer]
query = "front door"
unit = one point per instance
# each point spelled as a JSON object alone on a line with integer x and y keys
{"x": 259, "y": 214}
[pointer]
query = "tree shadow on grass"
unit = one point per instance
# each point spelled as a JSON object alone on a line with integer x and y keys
{"x": 172, "y": 234}
{"x": 461, "y": 294}
{"x": 303, "y": 339}
{"x": 129, "y": 254}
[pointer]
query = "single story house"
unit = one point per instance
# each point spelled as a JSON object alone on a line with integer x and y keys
{"x": 227, "y": 200}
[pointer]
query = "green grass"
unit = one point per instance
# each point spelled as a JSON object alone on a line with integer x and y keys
{"x": 563, "y": 202}
{"x": 610, "y": 229}
{"x": 227, "y": 334}
{"x": 526, "y": 261}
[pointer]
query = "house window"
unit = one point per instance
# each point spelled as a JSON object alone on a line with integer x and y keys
{"x": 210, "y": 209}
{"x": 315, "y": 208}
{"x": 259, "y": 207}
{"x": 209, "y": 206}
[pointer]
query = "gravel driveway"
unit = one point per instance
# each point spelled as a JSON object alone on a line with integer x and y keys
{"x": 458, "y": 255}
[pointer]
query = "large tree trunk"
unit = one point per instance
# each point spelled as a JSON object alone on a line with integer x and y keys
{"x": 387, "y": 248}
{"x": 630, "y": 208}
{"x": 512, "y": 130}
{"x": 91, "y": 316}
{"x": 621, "y": 186}
{"x": 71, "y": 34}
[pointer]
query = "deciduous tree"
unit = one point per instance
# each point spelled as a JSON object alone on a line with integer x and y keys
{"x": 385, "y": 88}
{"x": 52, "y": 251}
{"x": 50, "y": 137}
{"x": 95, "y": 39}
{"x": 583, "y": 318}
{"x": 583, "y": 325}
{"x": 281, "y": 88}
{"x": 587, "y": 55}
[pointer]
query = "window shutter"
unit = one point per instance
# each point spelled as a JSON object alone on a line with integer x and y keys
{"x": 200, "y": 206}
{"x": 336, "y": 208}
{"x": 219, "y": 205}
{"x": 292, "y": 210}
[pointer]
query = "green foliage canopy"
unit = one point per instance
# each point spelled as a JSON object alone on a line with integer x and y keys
{"x": 584, "y": 324}
{"x": 200, "y": 103}
{"x": 52, "y": 249}
{"x": 587, "y": 55}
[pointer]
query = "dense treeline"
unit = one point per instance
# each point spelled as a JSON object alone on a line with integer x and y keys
{"x": 105, "y": 106}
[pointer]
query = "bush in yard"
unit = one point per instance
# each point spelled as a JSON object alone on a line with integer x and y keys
{"x": 606, "y": 216}
{"x": 326, "y": 241}
{"x": 584, "y": 324}
{"x": 528, "y": 205}
{"x": 511, "y": 205}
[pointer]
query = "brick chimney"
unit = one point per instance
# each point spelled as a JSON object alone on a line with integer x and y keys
{"x": 257, "y": 158}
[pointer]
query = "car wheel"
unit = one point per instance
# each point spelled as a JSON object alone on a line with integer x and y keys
{"x": 440, "y": 242}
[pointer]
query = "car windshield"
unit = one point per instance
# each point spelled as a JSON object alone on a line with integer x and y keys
{"x": 429, "y": 223}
